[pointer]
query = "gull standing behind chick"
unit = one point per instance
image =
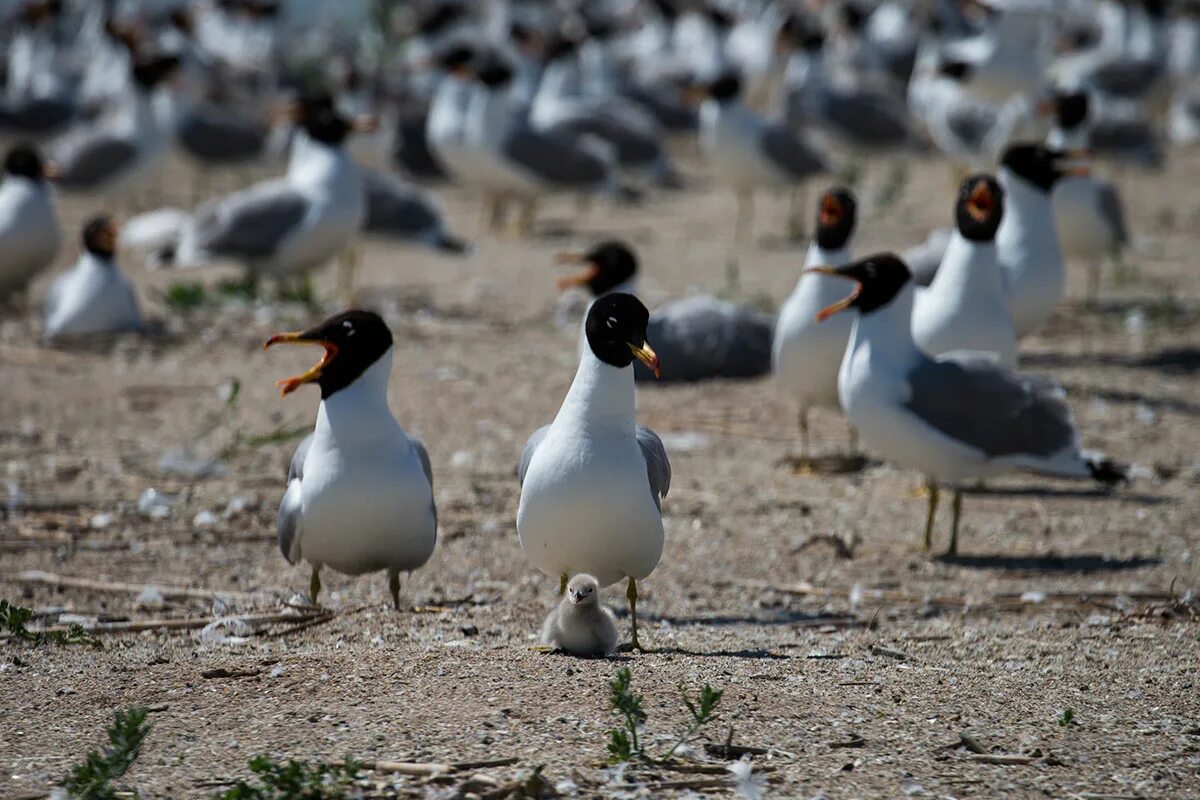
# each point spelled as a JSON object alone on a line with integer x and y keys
{"x": 29, "y": 232}
{"x": 579, "y": 624}
{"x": 360, "y": 489}
{"x": 592, "y": 481}
{"x": 93, "y": 296}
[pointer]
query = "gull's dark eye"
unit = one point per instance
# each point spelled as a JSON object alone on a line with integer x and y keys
{"x": 611, "y": 322}
{"x": 349, "y": 326}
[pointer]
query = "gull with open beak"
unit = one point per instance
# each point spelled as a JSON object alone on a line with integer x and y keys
{"x": 956, "y": 419}
{"x": 592, "y": 481}
{"x": 360, "y": 489}
{"x": 965, "y": 307}
{"x": 805, "y": 355}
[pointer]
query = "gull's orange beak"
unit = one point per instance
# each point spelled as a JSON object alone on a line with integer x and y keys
{"x": 367, "y": 123}
{"x": 647, "y": 356}
{"x": 52, "y": 170}
{"x": 845, "y": 302}
{"x": 980, "y": 202}
{"x": 585, "y": 276}
{"x": 831, "y": 211}
{"x": 314, "y": 373}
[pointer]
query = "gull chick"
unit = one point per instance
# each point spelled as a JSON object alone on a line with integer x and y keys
{"x": 579, "y": 624}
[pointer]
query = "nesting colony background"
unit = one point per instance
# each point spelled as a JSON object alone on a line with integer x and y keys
{"x": 1056, "y": 653}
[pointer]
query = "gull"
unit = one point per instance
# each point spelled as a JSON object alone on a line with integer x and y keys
{"x": 29, "y": 232}
{"x": 1027, "y": 242}
{"x": 359, "y": 493}
{"x": 697, "y": 338}
{"x": 592, "y": 481}
{"x": 955, "y": 419}
{"x": 93, "y": 296}
{"x": 119, "y": 153}
{"x": 749, "y": 152}
{"x": 1119, "y": 135}
{"x": 579, "y": 624}
{"x": 964, "y": 307}
{"x": 290, "y": 225}
{"x": 399, "y": 212}
{"x": 805, "y": 355}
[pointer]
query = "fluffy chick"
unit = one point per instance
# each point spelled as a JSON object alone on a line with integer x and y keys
{"x": 579, "y": 624}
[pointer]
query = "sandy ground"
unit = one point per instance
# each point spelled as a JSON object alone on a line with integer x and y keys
{"x": 859, "y": 671}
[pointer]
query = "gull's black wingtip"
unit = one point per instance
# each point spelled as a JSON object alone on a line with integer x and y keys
{"x": 1107, "y": 471}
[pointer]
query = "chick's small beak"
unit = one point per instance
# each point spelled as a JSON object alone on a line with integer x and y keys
{"x": 314, "y": 373}
{"x": 647, "y": 356}
{"x": 845, "y": 302}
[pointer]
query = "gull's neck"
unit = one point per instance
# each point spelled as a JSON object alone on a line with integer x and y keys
{"x": 90, "y": 261}
{"x": 968, "y": 270}
{"x": 825, "y": 289}
{"x": 601, "y": 396}
{"x": 885, "y": 335}
{"x": 359, "y": 412}
{"x": 1027, "y": 229}
{"x": 629, "y": 286}
{"x": 1075, "y": 138}
{"x": 314, "y": 162}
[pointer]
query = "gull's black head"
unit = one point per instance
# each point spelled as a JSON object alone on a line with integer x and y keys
{"x": 1036, "y": 164}
{"x": 605, "y": 267}
{"x": 877, "y": 281}
{"x": 616, "y": 331}
{"x": 1070, "y": 109}
{"x": 100, "y": 236}
{"x": 718, "y": 18}
{"x": 149, "y": 72}
{"x": 494, "y": 73}
{"x": 560, "y": 46}
{"x": 955, "y": 70}
{"x": 319, "y": 117}
{"x": 725, "y": 88}
{"x": 353, "y": 341}
{"x": 979, "y": 208}
{"x": 440, "y": 18}
{"x": 836, "y": 217}
{"x": 456, "y": 58}
{"x": 23, "y": 161}
{"x": 583, "y": 590}
{"x": 852, "y": 18}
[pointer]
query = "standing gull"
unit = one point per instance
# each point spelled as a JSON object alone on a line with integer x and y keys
{"x": 805, "y": 355}
{"x": 957, "y": 420}
{"x": 93, "y": 296}
{"x": 29, "y": 232}
{"x": 290, "y": 225}
{"x": 360, "y": 490}
{"x": 698, "y": 338}
{"x": 749, "y": 152}
{"x": 592, "y": 481}
{"x": 965, "y": 307}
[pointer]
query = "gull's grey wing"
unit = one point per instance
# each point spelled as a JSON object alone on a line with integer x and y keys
{"x": 990, "y": 408}
{"x": 970, "y": 125}
{"x": 658, "y": 466}
{"x": 296, "y": 467}
{"x": 214, "y": 134}
{"x": 94, "y": 160}
{"x": 1113, "y": 211}
{"x": 636, "y": 140}
{"x": 395, "y": 209}
{"x": 1129, "y": 139}
{"x": 37, "y": 117}
{"x": 870, "y": 118}
{"x": 287, "y": 526}
{"x": 788, "y": 152}
{"x": 556, "y": 159}
{"x": 427, "y": 468}
{"x": 699, "y": 338}
{"x": 527, "y": 453}
{"x": 252, "y": 223}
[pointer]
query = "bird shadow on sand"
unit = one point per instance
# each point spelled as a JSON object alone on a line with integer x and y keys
{"x": 782, "y": 618}
{"x": 830, "y": 464}
{"x": 1080, "y": 563}
{"x": 766, "y": 655}
{"x": 1067, "y": 493}
{"x": 1171, "y": 404}
{"x": 1177, "y": 360}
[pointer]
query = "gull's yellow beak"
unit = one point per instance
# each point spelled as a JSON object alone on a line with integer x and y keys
{"x": 647, "y": 356}
{"x": 314, "y": 373}
{"x": 845, "y": 302}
